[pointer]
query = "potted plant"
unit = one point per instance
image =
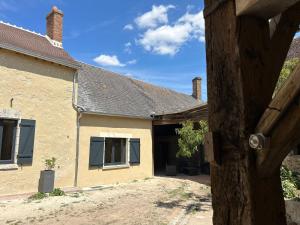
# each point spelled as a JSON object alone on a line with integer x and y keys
{"x": 46, "y": 182}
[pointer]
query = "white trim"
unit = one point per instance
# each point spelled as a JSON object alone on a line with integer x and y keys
{"x": 123, "y": 165}
{"x": 12, "y": 166}
{"x": 116, "y": 166}
{"x": 11, "y": 114}
{"x": 53, "y": 42}
{"x": 21, "y": 28}
{"x": 114, "y": 135}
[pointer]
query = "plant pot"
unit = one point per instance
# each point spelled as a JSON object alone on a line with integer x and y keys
{"x": 46, "y": 182}
{"x": 171, "y": 170}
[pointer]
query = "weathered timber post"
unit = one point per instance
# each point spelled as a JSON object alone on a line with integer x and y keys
{"x": 244, "y": 60}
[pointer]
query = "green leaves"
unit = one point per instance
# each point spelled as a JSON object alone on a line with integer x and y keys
{"x": 190, "y": 138}
{"x": 289, "y": 182}
{"x": 287, "y": 69}
{"x": 50, "y": 163}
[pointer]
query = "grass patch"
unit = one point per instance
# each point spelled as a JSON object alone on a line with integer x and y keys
{"x": 57, "y": 192}
{"x": 38, "y": 196}
{"x": 42, "y": 195}
{"x": 180, "y": 192}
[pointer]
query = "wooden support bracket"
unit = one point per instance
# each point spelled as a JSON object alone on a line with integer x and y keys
{"x": 280, "y": 122}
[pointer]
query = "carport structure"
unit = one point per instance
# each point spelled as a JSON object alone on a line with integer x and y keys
{"x": 165, "y": 141}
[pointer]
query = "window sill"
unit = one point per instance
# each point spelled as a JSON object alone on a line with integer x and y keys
{"x": 8, "y": 167}
{"x": 116, "y": 167}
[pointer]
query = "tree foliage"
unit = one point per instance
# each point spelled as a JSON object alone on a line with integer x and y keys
{"x": 190, "y": 138}
{"x": 286, "y": 71}
{"x": 290, "y": 183}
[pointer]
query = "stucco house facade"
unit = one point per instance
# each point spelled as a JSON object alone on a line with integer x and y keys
{"x": 97, "y": 124}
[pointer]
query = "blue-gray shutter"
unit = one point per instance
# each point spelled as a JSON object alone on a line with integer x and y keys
{"x": 26, "y": 141}
{"x": 135, "y": 151}
{"x": 1, "y": 134}
{"x": 96, "y": 151}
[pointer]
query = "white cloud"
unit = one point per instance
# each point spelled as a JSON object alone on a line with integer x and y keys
{"x": 127, "y": 48}
{"x": 132, "y": 62}
{"x": 168, "y": 39}
{"x": 158, "y": 15}
{"x": 106, "y": 60}
{"x": 128, "y": 27}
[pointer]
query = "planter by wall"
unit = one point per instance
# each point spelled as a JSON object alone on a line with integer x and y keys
{"x": 171, "y": 170}
{"x": 46, "y": 182}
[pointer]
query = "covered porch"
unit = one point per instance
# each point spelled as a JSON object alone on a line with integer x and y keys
{"x": 165, "y": 143}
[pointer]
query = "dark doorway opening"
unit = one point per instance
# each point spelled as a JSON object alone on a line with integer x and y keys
{"x": 166, "y": 147}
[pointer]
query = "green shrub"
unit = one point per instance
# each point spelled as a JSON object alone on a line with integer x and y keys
{"x": 57, "y": 192}
{"x": 38, "y": 196}
{"x": 190, "y": 138}
{"x": 50, "y": 163}
{"x": 290, "y": 183}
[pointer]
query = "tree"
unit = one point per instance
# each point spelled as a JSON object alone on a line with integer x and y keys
{"x": 244, "y": 60}
{"x": 190, "y": 138}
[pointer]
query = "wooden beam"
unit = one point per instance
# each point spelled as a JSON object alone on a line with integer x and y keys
{"x": 284, "y": 137}
{"x": 282, "y": 32}
{"x": 280, "y": 122}
{"x": 283, "y": 99}
{"x": 263, "y": 8}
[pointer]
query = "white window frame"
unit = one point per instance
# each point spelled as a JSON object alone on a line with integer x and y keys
{"x": 11, "y": 114}
{"x": 123, "y": 165}
{"x": 116, "y": 135}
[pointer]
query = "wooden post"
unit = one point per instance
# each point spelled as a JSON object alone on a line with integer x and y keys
{"x": 243, "y": 65}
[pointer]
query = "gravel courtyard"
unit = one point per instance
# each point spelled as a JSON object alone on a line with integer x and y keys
{"x": 158, "y": 200}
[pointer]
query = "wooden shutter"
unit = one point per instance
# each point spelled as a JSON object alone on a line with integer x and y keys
{"x": 26, "y": 142}
{"x": 134, "y": 151}
{"x": 1, "y": 135}
{"x": 96, "y": 151}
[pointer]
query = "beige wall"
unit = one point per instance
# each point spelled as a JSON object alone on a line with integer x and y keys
{"x": 100, "y": 126}
{"x": 41, "y": 91}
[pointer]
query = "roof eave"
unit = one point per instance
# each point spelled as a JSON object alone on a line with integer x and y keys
{"x": 117, "y": 115}
{"x": 70, "y": 64}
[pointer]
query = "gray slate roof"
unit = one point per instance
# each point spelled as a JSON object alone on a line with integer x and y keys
{"x": 108, "y": 93}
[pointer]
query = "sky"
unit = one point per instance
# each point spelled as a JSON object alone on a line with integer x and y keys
{"x": 161, "y": 42}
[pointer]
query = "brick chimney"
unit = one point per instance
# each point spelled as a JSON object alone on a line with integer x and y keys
{"x": 197, "y": 88}
{"x": 55, "y": 24}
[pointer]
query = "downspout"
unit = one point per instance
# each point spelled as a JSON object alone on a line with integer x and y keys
{"x": 79, "y": 111}
{"x": 79, "y": 115}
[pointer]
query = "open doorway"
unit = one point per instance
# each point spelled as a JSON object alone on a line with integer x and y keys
{"x": 165, "y": 150}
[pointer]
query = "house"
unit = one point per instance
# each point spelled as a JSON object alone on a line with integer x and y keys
{"x": 99, "y": 125}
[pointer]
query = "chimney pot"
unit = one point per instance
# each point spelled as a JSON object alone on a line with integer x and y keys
{"x": 55, "y": 24}
{"x": 197, "y": 88}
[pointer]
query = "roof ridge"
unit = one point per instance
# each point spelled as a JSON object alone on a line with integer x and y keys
{"x": 21, "y": 28}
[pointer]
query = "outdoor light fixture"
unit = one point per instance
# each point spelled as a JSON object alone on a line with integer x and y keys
{"x": 258, "y": 141}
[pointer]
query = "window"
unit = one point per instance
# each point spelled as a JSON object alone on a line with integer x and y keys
{"x": 115, "y": 151}
{"x": 112, "y": 152}
{"x": 7, "y": 140}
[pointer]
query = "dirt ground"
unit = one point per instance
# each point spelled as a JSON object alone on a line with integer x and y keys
{"x": 157, "y": 201}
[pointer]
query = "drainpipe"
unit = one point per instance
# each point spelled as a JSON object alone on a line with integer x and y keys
{"x": 79, "y": 115}
{"x": 79, "y": 111}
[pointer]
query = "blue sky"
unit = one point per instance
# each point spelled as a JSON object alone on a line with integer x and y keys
{"x": 161, "y": 42}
